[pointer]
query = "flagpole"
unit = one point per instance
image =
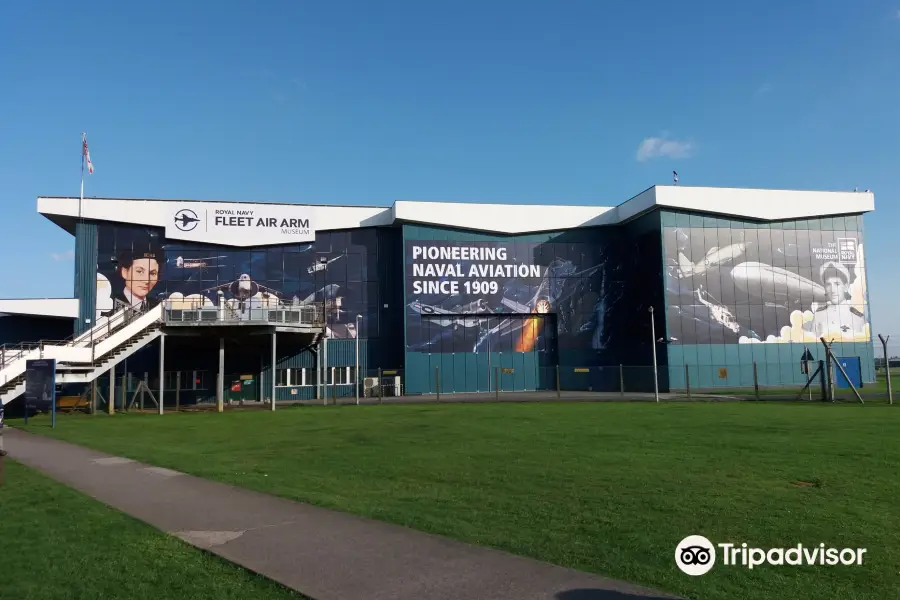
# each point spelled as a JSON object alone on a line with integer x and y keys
{"x": 81, "y": 197}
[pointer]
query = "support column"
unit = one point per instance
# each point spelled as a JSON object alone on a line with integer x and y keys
{"x": 162, "y": 370}
{"x": 274, "y": 365}
{"x": 111, "y": 397}
{"x": 220, "y": 380}
{"x": 325, "y": 370}
{"x": 318, "y": 368}
{"x": 125, "y": 384}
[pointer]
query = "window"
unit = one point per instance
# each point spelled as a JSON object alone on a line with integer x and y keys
{"x": 343, "y": 375}
{"x": 201, "y": 380}
{"x": 301, "y": 376}
{"x": 281, "y": 376}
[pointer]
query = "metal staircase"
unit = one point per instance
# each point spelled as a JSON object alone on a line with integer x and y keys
{"x": 84, "y": 357}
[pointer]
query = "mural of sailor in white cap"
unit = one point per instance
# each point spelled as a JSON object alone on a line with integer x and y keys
{"x": 837, "y": 318}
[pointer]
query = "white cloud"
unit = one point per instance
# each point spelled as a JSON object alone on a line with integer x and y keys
{"x": 63, "y": 256}
{"x": 656, "y": 147}
{"x": 764, "y": 89}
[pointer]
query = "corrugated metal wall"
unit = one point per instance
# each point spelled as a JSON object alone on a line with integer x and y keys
{"x": 341, "y": 353}
{"x": 85, "y": 273}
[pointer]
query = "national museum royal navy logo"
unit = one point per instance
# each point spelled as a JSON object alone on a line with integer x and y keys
{"x": 186, "y": 219}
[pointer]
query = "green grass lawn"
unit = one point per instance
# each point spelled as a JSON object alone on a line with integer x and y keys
{"x": 56, "y": 543}
{"x": 608, "y": 488}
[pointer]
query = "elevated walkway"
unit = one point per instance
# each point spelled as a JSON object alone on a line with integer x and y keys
{"x": 86, "y": 356}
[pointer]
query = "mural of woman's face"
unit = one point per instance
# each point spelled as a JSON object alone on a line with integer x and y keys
{"x": 835, "y": 288}
{"x": 141, "y": 276}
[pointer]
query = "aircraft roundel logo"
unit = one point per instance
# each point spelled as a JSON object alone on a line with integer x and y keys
{"x": 186, "y": 219}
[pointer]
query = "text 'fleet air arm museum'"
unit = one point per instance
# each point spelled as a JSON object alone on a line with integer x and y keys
{"x": 246, "y": 301}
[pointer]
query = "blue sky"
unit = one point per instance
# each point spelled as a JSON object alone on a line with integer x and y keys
{"x": 369, "y": 102}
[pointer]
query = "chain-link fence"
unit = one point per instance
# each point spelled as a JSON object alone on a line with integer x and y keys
{"x": 843, "y": 380}
{"x": 840, "y": 381}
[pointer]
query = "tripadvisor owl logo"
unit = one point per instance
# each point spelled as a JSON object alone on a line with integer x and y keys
{"x": 696, "y": 555}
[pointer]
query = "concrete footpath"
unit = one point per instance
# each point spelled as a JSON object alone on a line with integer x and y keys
{"x": 324, "y": 554}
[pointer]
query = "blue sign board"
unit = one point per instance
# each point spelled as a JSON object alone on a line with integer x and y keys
{"x": 40, "y": 387}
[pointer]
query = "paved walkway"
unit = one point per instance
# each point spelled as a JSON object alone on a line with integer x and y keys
{"x": 321, "y": 553}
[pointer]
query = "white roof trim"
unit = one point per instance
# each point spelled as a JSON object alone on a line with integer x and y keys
{"x": 766, "y": 205}
{"x": 503, "y": 218}
{"x": 153, "y": 212}
{"x": 41, "y": 307}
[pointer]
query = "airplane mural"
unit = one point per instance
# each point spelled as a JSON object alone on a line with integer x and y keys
{"x": 736, "y": 293}
{"x": 506, "y": 314}
{"x": 194, "y": 263}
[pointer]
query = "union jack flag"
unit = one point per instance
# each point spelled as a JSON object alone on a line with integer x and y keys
{"x": 86, "y": 155}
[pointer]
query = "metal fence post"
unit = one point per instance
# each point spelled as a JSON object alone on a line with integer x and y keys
{"x": 380, "y": 390}
{"x": 653, "y": 345}
{"x": 830, "y": 371}
{"x": 687, "y": 380}
{"x": 437, "y": 382}
{"x": 497, "y": 381}
{"x": 177, "y": 390}
{"x": 755, "y": 381}
{"x": 557, "y": 382}
{"x": 887, "y": 367}
{"x": 621, "y": 379}
{"x": 822, "y": 384}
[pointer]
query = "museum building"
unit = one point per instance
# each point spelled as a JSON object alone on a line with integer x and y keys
{"x": 205, "y": 302}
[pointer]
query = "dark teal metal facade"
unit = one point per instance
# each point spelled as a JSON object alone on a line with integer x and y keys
{"x": 598, "y": 284}
{"x": 85, "y": 273}
{"x": 384, "y": 351}
{"x": 709, "y": 359}
{"x": 636, "y": 276}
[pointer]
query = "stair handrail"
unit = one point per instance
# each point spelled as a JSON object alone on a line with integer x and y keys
{"x": 126, "y": 314}
{"x": 130, "y": 318}
{"x": 9, "y": 353}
